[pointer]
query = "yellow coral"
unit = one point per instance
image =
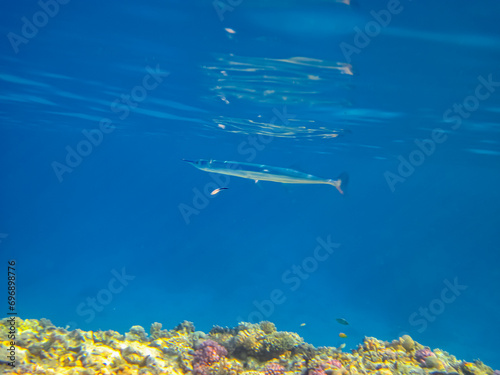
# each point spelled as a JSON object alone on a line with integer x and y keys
{"x": 250, "y": 340}
{"x": 45, "y": 349}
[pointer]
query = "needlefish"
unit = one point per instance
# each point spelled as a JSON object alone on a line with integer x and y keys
{"x": 260, "y": 172}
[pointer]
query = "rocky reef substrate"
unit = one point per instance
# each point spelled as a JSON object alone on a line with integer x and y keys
{"x": 248, "y": 349}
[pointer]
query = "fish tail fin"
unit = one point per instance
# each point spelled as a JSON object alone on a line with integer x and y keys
{"x": 341, "y": 182}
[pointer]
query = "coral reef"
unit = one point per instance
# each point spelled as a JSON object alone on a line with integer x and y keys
{"x": 208, "y": 354}
{"x": 260, "y": 341}
{"x": 248, "y": 349}
{"x": 274, "y": 369}
{"x": 422, "y": 354}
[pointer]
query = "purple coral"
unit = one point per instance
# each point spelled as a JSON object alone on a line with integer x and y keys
{"x": 422, "y": 354}
{"x": 207, "y": 353}
{"x": 274, "y": 369}
{"x": 316, "y": 371}
{"x": 323, "y": 367}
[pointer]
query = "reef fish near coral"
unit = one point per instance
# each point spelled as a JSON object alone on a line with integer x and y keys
{"x": 342, "y": 321}
{"x": 260, "y": 172}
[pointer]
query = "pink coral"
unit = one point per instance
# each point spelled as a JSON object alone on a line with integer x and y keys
{"x": 334, "y": 362}
{"x": 274, "y": 369}
{"x": 207, "y": 353}
{"x": 316, "y": 371}
{"x": 422, "y": 354}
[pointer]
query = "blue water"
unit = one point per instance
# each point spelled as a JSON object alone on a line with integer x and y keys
{"x": 110, "y": 228}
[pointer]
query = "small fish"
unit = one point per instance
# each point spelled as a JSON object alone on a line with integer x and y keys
{"x": 302, "y": 324}
{"x": 260, "y": 172}
{"x": 342, "y": 321}
{"x": 342, "y": 335}
{"x": 217, "y": 191}
{"x": 342, "y": 346}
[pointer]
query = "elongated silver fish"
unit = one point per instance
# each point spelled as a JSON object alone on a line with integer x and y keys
{"x": 260, "y": 172}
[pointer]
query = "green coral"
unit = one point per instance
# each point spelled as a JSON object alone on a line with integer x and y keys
{"x": 407, "y": 343}
{"x": 261, "y": 341}
{"x": 267, "y": 327}
{"x": 279, "y": 342}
